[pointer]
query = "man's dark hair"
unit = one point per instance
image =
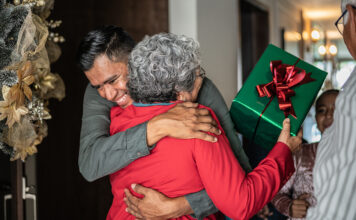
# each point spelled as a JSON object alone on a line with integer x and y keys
{"x": 110, "y": 40}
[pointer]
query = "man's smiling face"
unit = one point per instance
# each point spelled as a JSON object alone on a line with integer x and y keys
{"x": 110, "y": 79}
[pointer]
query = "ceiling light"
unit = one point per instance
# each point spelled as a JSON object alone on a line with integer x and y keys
{"x": 333, "y": 50}
{"x": 315, "y": 35}
{"x": 322, "y": 50}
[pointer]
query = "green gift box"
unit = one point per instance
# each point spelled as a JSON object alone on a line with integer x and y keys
{"x": 248, "y": 110}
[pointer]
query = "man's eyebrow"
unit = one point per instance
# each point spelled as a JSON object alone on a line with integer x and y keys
{"x": 111, "y": 78}
{"x": 105, "y": 82}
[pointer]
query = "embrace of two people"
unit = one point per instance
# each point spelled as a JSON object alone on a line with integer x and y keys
{"x": 169, "y": 157}
{"x": 161, "y": 142}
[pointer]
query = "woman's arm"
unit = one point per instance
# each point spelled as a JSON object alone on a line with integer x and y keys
{"x": 211, "y": 97}
{"x": 233, "y": 192}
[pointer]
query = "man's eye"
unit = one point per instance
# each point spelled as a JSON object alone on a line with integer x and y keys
{"x": 95, "y": 87}
{"x": 321, "y": 110}
{"x": 114, "y": 80}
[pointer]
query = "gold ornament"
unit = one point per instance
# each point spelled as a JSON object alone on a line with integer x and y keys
{"x": 21, "y": 137}
{"x": 50, "y": 85}
{"x": 9, "y": 110}
{"x": 23, "y": 106}
{"x": 37, "y": 111}
{"x": 18, "y": 92}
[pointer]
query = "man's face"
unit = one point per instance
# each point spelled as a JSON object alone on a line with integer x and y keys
{"x": 349, "y": 33}
{"x": 110, "y": 79}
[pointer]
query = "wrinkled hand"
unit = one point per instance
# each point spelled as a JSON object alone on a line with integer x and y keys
{"x": 155, "y": 205}
{"x": 299, "y": 206}
{"x": 264, "y": 213}
{"x": 184, "y": 121}
{"x": 293, "y": 142}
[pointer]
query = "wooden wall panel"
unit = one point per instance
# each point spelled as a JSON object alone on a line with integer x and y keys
{"x": 63, "y": 192}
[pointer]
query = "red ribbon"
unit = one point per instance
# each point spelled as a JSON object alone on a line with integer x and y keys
{"x": 284, "y": 78}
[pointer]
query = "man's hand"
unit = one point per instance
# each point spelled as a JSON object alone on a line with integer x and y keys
{"x": 184, "y": 121}
{"x": 293, "y": 143}
{"x": 155, "y": 205}
{"x": 299, "y": 207}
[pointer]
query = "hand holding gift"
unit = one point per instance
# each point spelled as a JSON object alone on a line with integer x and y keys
{"x": 293, "y": 142}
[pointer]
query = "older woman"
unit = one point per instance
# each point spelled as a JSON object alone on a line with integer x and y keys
{"x": 163, "y": 70}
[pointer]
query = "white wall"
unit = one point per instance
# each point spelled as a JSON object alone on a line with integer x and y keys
{"x": 182, "y": 16}
{"x": 215, "y": 23}
{"x": 217, "y": 34}
{"x": 281, "y": 14}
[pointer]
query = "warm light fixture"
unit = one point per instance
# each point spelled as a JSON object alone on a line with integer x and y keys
{"x": 315, "y": 35}
{"x": 333, "y": 49}
{"x": 292, "y": 36}
{"x": 325, "y": 13}
{"x": 328, "y": 49}
{"x": 322, "y": 50}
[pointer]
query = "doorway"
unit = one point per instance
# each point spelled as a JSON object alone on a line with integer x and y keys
{"x": 254, "y": 34}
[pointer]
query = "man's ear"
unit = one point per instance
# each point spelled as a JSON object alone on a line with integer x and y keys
{"x": 352, "y": 19}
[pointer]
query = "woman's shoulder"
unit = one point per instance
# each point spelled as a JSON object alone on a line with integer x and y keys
{"x": 212, "y": 113}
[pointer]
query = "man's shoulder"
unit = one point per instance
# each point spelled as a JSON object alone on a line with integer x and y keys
{"x": 207, "y": 86}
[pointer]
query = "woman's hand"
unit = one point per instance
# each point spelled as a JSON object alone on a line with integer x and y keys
{"x": 293, "y": 142}
{"x": 155, "y": 205}
{"x": 184, "y": 121}
{"x": 299, "y": 207}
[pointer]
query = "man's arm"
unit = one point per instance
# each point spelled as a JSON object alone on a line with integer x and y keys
{"x": 101, "y": 154}
{"x": 210, "y": 96}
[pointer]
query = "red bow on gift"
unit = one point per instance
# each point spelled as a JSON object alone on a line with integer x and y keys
{"x": 284, "y": 78}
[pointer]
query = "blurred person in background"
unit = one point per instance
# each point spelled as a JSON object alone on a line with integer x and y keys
{"x": 297, "y": 195}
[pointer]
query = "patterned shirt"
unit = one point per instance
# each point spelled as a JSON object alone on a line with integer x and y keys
{"x": 334, "y": 172}
{"x": 300, "y": 183}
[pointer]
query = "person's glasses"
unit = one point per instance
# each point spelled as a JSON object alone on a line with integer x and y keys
{"x": 340, "y": 21}
{"x": 202, "y": 73}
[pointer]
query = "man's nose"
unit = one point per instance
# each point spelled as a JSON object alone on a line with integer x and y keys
{"x": 330, "y": 113}
{"x": 109, "y": 92}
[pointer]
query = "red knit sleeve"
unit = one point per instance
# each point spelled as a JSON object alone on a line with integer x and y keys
{"x": 236, "y": 194}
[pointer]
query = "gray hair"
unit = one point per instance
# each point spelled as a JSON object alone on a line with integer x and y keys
{"x": 162, "y": 65}
{"x": 344, "y": 3}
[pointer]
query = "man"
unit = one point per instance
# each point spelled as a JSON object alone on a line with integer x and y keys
{"x": 335, "y": 165}
{"x": 103, "y": 57}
